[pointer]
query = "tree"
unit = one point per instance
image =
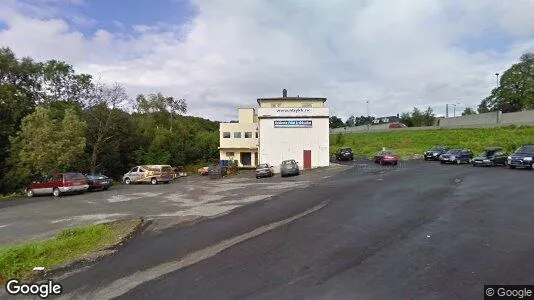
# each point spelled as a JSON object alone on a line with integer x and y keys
{"x": 468, "y": 111}
{"x": 516, "y": 88}
{"x": 336, "y": 122}
{"x": 45, "y": 145}
{"x": 351, "y": 121}
{"x": 102, "y": 116}
{"x": 483, "y": 107}
{"x": 417, "y": 118}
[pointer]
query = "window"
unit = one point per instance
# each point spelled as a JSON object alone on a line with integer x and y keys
{"x": 248, "y": 135}
{"x": 229, "y": 154}
{"x": 237, "y": 135}
{"x": 276, "y": 104}
{"x": 257, "y": 134}
{"x": 226, "y": 135}
{"x": 306, "y": 105}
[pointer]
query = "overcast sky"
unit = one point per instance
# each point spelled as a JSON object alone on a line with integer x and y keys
{"x": 223, "y": 54}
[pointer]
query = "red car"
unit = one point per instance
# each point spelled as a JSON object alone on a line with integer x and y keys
{"x": 386, "y": 157}
{"x": 61, "y": 183}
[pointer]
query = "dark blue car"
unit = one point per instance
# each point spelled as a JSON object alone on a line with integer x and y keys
{"x": 457, "y": 156}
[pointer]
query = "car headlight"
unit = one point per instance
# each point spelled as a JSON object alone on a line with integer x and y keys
{"x": 453, "y": 157}
{"x": 509, "y": 158}
{"x": 527, "y": 159}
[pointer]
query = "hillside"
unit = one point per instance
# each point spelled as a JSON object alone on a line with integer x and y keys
{"x": 410, "y": 143}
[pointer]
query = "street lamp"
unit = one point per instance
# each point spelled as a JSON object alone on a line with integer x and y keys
{"x": 497, "y": 75}
{"x": 368, "y": 119}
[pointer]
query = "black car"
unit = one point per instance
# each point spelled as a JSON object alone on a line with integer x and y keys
{"x": 457, "y": 156}
{"x": 345, "y": 154}
{"x": 289, "y": 167}
{"x": 435, "y": 152}
{"x": 522, "y": 157}
{"x": 492, "y": 156}
{"x": 99, "y": 182}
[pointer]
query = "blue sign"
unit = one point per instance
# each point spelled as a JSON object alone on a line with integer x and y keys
{"x": 293, "y": 124}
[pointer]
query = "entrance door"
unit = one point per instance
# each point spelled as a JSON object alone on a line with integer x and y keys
{"x": 255, "y": 158}
{"x": 307, "y": 159}
{"x": 246, "y": 158}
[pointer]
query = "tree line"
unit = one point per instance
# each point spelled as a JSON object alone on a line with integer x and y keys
{"x": 53, "y": 119}
{"x": 515, "y": 92}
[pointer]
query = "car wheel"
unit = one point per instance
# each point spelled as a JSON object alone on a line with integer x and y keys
{"x": 153, "y": 181}
{"x": 395, "y": 163}
{"x": 127, "y": 181}
{"x": 105, "y": 188}
{"x": 441, "y": 162}
{"x": 512, "y": 167}
{"x": 30, "y": 193}
{"x": 56, "y": 192}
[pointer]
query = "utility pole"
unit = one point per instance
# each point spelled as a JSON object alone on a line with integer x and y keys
{"x": 368, "y": 118}
{"x": 446, "y": 110}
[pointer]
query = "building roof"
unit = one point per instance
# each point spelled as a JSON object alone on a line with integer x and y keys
{"x": 292, "y": 99}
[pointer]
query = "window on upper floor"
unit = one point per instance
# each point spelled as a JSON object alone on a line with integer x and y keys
{"x": 226, "y": 135}
{"x": 257, "y": 135}
{"x": 248, "y": 135}
{"x": 237, "y": 135}
{"x": 276, "y": 104}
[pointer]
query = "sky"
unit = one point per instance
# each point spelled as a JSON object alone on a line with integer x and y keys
{"x": 223, "y": 54}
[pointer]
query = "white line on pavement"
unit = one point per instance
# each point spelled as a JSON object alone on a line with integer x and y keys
{"x": 125, "y": 284}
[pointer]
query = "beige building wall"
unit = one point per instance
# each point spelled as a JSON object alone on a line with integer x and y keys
{"x": 239, "y": 141}
{"x": 270, "y": 103}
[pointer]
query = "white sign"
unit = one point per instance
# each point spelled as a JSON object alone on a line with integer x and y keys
{"x": 292, "y": 123}
{"x": 293, "y": 112}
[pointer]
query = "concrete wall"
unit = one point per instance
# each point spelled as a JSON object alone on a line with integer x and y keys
{"x": 278, "y": 144}
{"x": 518, "y": 118}
{"x": 486, "y": 120}
{"x": 477, "y": 119}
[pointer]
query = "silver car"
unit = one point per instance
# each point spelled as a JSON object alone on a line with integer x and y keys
{"x": 289, "y": 167}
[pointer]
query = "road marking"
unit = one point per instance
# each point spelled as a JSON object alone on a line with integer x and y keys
{"x": 121, "y": 286}
{"x": 5, "y": 225}
{"x": 327, "y": 176}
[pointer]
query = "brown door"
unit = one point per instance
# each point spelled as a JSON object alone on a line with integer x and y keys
{"x": 307, "y": 159}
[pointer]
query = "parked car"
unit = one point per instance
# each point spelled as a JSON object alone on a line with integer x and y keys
{"x": 435, "y": 152}
{"x": 203, "y": 171}
{"x": 289, "y": 167}
{"x": 264, "y": 170}
{"x": 345, "y": 153}
{"x": 523, "y": 157}
{"x": 386, "y": 157}
{"x": 148, "y": 173}
{"x": 61, "y": 183}
{"x": 492, "y": 156}
{"x": 457, "y": 156}
{"x": 99, "y": 182}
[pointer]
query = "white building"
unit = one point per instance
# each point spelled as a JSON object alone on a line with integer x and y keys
{"x": 294, "y": 128}
{"x": 288, "y": 128}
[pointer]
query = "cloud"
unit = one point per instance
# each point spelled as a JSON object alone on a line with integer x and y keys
{"x": 396, "y": 54}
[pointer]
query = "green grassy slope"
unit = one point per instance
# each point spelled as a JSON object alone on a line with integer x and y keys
{"x": 410, "y": 143}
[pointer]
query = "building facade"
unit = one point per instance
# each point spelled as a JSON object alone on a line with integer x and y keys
{"x": 282, "y": 128}
{"x": 239, "y": 141}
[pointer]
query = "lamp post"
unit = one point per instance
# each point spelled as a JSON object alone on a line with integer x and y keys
{"x": 498, "y": 83}
{"x": 368, "y": 119}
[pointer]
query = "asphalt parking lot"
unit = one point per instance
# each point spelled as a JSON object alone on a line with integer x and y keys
{"x": 185, "y": 200}
{"x": 419, "y": 230}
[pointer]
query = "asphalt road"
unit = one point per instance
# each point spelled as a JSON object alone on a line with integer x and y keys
{"x": 418, "y": 231}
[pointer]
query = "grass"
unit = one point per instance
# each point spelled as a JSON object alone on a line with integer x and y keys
{"x": 410, "y": 143}
{"x": 12, "y": 196}
{"x": 18, "y": 261}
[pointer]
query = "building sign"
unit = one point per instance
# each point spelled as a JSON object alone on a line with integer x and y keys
{"x": 293, "y": 110}
{"x": 293, "y": 124}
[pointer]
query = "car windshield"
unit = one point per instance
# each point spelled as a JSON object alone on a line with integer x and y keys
{"x": 525, "y": 149}
{"x": 488, "y": 153}
{"x": 74, "y": 176}
{"x": 387, "y": 153}
{"x": 262, "y": 166}
{"x": 346, "y": 150}
{"x": 287, "y": 162}
{"x": 454, "y": 152}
